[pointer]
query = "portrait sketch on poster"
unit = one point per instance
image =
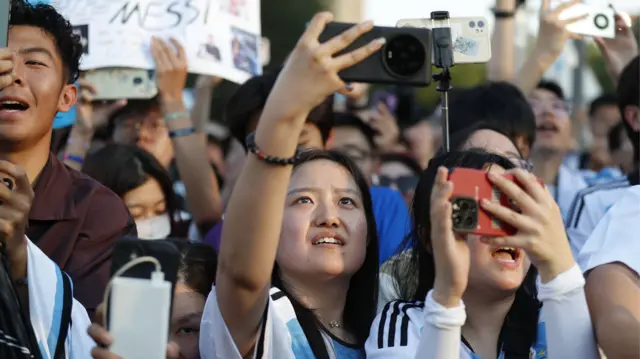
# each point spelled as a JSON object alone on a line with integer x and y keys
{"x": 221, "y": 37}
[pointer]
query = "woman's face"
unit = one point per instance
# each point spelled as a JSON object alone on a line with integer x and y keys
{"x": 494, "y": 142}
{"x": 185, "y": 320}
{"x": 493, "y": 270}
{"x": 146, "y": 201}
{"x": 324, "y": 229}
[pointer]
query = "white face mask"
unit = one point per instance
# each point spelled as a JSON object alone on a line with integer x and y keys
{"x": 158, "y": 227}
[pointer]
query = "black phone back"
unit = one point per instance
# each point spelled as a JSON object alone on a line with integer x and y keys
{"x": 166, "y": 251}
{"x": 404, "y": 59}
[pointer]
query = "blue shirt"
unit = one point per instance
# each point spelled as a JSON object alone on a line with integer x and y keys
{"x": 392, "y": 220}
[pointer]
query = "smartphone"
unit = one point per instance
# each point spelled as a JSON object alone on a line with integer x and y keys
{"x": 114, "y": 83}
{"x": 600, "y": 20}
{"x": 471, "y": 36}
{"x": 5, "y": 13}
{"x": 470, "y": 186}
{"x": 404, "y": 59}
{"x": 166, "y": 251}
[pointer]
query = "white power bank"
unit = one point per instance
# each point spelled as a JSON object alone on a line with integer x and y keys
{"x": 139, "y": 317}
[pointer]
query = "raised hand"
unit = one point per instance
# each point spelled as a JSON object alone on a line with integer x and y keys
{"x": 171, "y": 68}
{"x": 7, "y": 69}
{"x": 451, "y": 255}
{"x": 541, "y": 232}
{"x": 620, "y": 50}
{"x": 552, "y": 35}
{"x": 91, "y": 114}
{"x": 311, "y": 71}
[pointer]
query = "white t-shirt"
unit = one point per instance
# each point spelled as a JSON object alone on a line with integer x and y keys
{"x": 588, "y": 208}
{"x": 615, "y": 238}
{"x": 404, "y": 329}
{"x": 281, "y": 336}
{"x": 570, "y": 182}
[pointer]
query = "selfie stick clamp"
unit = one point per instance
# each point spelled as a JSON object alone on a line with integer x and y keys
{"x": 443, "y": 59}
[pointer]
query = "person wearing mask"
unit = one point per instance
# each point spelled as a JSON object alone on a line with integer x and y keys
{"x": 144, "y": 186}
{"x": 351, "y": 136}
{"x": 311, "y": 287}
{"x": 196, "y": 276}
{"x": 591, "y": 204}
{"x": 72, "y": 218}
{"x": 163, "y": 127}
{"x": 473, "y": 296}
{"x": 553, "y": 142}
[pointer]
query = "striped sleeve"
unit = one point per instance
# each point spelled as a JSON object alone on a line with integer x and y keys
{"x": 395, "y": 333}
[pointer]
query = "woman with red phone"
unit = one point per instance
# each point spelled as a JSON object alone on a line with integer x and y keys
{"x": 471, "y": 296}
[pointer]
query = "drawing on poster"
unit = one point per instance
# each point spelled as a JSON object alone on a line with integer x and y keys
{"x": 244, "y": 48}
{"x": 209, "y": 50}
{"x": 237, "y": 8}
{"x": 82, "y": 31}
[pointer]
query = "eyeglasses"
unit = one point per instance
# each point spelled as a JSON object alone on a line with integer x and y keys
{"x": 557, "y": 107}
{"x": 522, "y": 163}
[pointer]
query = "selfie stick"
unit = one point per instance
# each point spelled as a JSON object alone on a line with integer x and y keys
{"x": 443, "y": 59}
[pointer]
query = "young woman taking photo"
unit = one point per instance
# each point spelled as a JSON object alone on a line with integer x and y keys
{"x": 472, "y": 297}
{"x": 297, "y": 270}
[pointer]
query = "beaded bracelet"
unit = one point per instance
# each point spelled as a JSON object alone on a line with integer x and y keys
{"x": 253, "y": 148}
{"x": 182, "y": 132}
{"x": 174, "y": 115}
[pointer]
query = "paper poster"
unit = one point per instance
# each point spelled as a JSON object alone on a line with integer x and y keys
{"x": 221, "y": 37}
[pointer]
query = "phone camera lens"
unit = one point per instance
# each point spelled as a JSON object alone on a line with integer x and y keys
{"x": 137, "y": 81}
{"x": 601, "y": 21}
{"x": 404, "y": 56}
{"x": 480, "y": 24}
{"x": 464, "y": 206}
{"x": 472, "y": 24}
{"x": 468, "y": 222}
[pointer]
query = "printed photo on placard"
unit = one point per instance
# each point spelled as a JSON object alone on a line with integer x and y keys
{"x": 237, "y": 8}
{"x": 209, "y": 50}
{"x": 83, "y": 32}
{"x": 244, "y": 47}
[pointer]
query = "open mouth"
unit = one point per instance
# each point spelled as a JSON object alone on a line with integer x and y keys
{"x": 507, "y": 254}
{"x": 328, "y": 240}
{"x": 547, "y": 128}
{"x": 13, "y": 106}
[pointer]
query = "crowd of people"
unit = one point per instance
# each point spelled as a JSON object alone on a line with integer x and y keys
{"x": 316, "y": 222}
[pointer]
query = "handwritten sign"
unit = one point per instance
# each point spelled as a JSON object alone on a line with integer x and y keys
{"x": 221, "y": 37}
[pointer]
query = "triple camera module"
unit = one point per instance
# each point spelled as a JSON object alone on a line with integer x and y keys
{"x": 465, "y": 214}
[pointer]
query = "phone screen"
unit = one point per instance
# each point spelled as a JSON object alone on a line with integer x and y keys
{"x": 5, "y": 13}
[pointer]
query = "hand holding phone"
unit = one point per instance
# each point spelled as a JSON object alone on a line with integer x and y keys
{"x": 540, "y": 228}
{"x": 7, "y": 71}
{"x": 451, "y": 255}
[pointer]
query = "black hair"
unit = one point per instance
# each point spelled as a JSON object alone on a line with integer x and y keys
{"x": 614, "y": 137}
{"x": 416, "y": 275}
{"x": 247, "y": 103}
{"x": 133, "y": 107}
{"x": 607, "y": 99}
{"x": 629, "y": 95}
{"x": 341, "y": 119}
{"x": 198, "y": 266}
{"x": 122, "y": 168}
{"x": 48, "y": 19}
{"x": 404, "y": 159}
{"x": 499, "y": 104}
{"x": 551, "y": 86}
{"x": 362, "y": 296}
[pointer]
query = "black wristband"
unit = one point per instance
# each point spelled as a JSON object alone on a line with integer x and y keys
{"x": 253, "y": 148}
{"x": 503, "y": 14}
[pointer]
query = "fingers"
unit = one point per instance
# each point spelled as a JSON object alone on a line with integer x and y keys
{"x": 173, "y": 351}
{"x": 508, "y": 215}
{"x": 7, "y": 70}
{"x": 100, "y": 335}
{"x": 99, "y": 317}
{"x": 532, "y": 185}
{"x": 544, "y": 6}
{"x": 19, "y": 176}
{"x": 577, "y": 37}
{"x": 356, "y": 56}
{"x": 571, "y": 20}
{"x": 160, "y": 54}
{"x": 515, "y": 193}
{"x": 345, "y": 39}
{"x": 101, "y": 353}
{"x": 316, "y": 26}
{"x": 442, "y": 188}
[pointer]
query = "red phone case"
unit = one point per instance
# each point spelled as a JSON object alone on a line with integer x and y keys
{"x": 469, "y": 187}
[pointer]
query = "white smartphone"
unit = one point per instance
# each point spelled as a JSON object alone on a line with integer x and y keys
{"x": 600, "y": 20}
{"x": 470, "y": 35}
{"x": 113, "y": 83}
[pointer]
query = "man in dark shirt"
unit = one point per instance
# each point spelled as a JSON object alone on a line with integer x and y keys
{"x": 73, "y": 219}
